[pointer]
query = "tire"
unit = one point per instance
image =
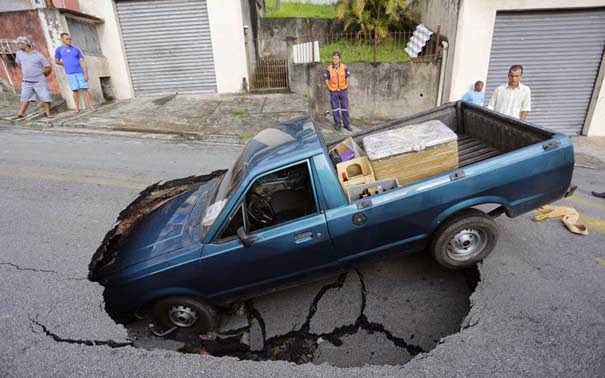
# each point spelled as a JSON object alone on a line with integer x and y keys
{"x": 187, "y": 313}
{"x": 464, "y": 240}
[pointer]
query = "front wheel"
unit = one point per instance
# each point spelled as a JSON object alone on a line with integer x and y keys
{"x": 464, "y": 240}
{"x": 187, "y": 313}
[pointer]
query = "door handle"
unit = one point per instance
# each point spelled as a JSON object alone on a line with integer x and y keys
{"x": 303, "y": 237}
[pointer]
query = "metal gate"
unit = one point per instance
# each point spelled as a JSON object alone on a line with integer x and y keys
{"x": 168, "y": 46}
{"x": 561, "y": 52}
{"x": 269, "y": 75}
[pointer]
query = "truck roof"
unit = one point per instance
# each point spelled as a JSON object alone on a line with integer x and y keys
{"x": 292, "y": 140}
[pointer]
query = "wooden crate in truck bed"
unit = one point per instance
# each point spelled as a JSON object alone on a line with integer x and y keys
{"x": 412, "y": 153}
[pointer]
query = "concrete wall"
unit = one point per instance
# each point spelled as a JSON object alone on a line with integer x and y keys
{"x": 443, "y": 14}
{"x": 250, "y": 22}
{"x": 54, "y": 23}
{"x": 111, "y": 44}
{"x": 14, "y": 5}
{"x": 595, "y": 119}
{"x": 276, "y": 34}
{"x": 376, "y": 92}
{"x": 25, "y": 23}
{"x": 228, "y": 44}
{"x": 473, "y": 45}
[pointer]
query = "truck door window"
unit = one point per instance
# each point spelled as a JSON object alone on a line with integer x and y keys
{"x": 274, "y": 199}
{"x": 280, "y": 197}
{"x": 235, "y": 222}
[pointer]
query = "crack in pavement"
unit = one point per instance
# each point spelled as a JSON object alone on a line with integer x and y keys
{"x": 28, "y": 269}
{"x": 17, "y": 267}
{"x": 313, "y": 308}
{"x": 300, "y": 345}
{"x": 253, "y": 313}
{"x": 363, "y": 323}
{"x": 57, "y": 338}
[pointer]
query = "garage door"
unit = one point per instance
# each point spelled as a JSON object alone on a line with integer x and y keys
{"x": 561, "y": 52}
{"x": 168, "y": 46}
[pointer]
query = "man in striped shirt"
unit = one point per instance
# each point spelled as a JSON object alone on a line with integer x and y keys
{"x": 35, "y": 68}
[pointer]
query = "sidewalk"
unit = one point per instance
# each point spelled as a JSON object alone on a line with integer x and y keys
{"x": 214, "y": 118}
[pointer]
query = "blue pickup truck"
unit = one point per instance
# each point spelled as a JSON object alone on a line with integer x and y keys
{"x": 186, "y": 249}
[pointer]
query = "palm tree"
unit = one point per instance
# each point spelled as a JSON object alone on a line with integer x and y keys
{"x": 372, "y": 16}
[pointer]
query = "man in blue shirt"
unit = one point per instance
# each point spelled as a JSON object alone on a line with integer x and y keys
{"x": 71, "y": 58}
{"x": 476, "y": 96}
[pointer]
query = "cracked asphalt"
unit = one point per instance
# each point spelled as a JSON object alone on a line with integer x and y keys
{"x": 538, "y": 310}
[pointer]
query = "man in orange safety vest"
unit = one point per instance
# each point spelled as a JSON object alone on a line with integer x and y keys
{"x": 337, "y": 80}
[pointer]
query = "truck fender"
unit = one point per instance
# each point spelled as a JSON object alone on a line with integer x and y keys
{"x": 456, "y": 208}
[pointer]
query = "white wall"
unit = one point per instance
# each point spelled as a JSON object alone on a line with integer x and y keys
{"x": 228, "y": 46}
{"x": 111, "y": 44}
{"x": 474, "y": 38}
{"x": 54, "y": 23}
{"x": 595, "y": 119}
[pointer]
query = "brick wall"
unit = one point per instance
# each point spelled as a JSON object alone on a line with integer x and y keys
{"x": 67, "y": 4}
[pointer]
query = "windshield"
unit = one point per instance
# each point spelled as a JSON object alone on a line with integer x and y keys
{"x": 230, "y": 181}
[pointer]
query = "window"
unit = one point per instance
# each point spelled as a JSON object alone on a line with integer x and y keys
{"x": 274, "y": 199}
{"x": 84, "y": 36}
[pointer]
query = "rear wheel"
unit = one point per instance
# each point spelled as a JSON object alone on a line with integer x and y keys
{"x": 186, "y": 313}
{"x": 464, "y": 240}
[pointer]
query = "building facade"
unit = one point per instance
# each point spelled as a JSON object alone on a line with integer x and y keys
{"x": 560, "y": 44}
{"x": 135, "y": 47}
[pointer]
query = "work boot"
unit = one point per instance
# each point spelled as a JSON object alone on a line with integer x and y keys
{"x": 348, "y": 127}
{"x": 337, "y": 127}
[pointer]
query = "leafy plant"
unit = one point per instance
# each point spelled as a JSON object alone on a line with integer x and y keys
{"x": 373, "y": 16}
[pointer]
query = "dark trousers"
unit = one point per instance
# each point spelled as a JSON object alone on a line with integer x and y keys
{"x": 339, "y": 101}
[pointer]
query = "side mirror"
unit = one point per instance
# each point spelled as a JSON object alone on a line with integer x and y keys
{"x": 246, "y": 239}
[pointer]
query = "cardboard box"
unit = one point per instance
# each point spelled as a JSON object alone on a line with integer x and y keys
{"x": 357, "y": 171}
{"x": 354, "y": 192}
{"x": 412, "y": 153}
{"x": 347, "y": 149}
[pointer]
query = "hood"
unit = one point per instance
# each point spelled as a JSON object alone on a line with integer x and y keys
{"x": 162, "y": 219}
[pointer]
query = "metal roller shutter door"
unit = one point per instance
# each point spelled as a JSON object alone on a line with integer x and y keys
{"x": 561, "y": 52}
{"x": 168, "y": 46}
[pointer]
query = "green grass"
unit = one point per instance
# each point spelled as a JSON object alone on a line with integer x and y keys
{"x": 246, "y": 136}
{"x": 237, "y": 112}
{"x": 300, "y": 10}
{"x": 357, "y": 52}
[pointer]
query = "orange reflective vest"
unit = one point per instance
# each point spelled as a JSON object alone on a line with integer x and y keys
{"x": 338, "y": 78}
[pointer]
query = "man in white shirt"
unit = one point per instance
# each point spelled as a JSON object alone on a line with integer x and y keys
{"x": 514, "y": 98}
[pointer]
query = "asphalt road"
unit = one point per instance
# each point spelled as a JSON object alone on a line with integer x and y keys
{"x": 538, "y": 311}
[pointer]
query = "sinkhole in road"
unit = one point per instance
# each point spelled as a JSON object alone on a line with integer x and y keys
{"x": 382, "y": 313}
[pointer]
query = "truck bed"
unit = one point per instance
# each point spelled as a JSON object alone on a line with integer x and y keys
{"x": 472, "y": 150}
{"x": 482, "y": 134}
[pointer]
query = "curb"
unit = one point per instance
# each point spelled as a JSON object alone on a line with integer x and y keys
{"x": 127, "y": 132}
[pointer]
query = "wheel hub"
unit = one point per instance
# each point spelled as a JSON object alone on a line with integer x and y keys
{"x": 466, "y": 244}
{"x": 182, "y": 316}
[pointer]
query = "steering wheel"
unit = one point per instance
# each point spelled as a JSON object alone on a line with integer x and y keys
{"x": 260, "y": 209}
